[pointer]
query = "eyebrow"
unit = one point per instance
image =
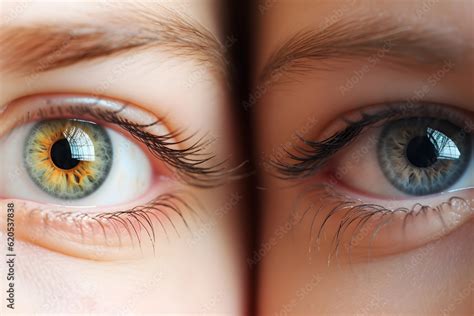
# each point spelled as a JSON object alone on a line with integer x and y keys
{"x": 352, "y": 37}
{"x": 47, "y": 46}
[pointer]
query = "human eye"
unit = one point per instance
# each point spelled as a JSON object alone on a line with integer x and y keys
{"x": 88, "y": 172}
{"x": 386, "y": 178}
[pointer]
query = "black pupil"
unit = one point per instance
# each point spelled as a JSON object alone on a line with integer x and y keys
{"x": 421, "y": 152}
{"x": 61, "y": 155}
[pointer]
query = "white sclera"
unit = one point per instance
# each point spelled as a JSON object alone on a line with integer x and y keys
{"x": 129, "y": 178}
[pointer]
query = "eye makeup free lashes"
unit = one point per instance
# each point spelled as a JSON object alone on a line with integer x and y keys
{"x": 191, "y": 160}
{"x": 309, "y": 156}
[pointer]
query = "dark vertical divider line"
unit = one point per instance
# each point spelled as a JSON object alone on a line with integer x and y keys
{"x": 239, "y": 15}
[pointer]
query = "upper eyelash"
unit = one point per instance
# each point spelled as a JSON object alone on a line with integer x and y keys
{"x": 133, "y": 220}
{"x": 359, "y": 214}
{"x": 310, "y": 156}
{"x": 188, "y": 162}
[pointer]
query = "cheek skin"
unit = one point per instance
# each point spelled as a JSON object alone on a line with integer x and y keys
{"x": 405, "y": 283}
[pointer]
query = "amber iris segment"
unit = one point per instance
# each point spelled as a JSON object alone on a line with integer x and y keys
{"x": 69, "y": 159}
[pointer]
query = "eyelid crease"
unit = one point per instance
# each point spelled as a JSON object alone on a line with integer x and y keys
{"x": 310, "y": 156}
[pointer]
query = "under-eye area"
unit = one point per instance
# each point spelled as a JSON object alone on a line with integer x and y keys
{"x": 111, "y": 233}
{"x": 356, "y": 230}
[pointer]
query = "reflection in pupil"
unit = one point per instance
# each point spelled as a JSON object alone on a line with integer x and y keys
{"x": 421, "y": 152}
{"x": 61, "y": 155}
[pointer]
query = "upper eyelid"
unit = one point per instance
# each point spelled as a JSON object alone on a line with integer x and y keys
{"x": 310, "y": 161}
{"x": 323, "y": 150}
{"x": 190, "y": 159}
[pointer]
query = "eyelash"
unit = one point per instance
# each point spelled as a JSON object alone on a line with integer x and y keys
{"x": 312, "y": 156}
{"x": 360, "y": 214}
{"x": 144, "y": 217}
{"x": 188, "y": 162}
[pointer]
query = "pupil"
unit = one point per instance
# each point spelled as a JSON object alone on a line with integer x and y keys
{"x": 61, "y": 155}
{"x": 421, "y": 152}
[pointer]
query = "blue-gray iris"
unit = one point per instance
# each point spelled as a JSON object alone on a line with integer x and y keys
{"x": 422, "y": 155}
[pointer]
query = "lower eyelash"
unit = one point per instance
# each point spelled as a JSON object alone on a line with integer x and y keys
{"x": 158, "y": 213}
{"x": 359, "y": 214}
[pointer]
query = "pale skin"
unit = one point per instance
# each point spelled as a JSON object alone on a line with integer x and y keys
{"x": 429, "y": 277}
{"x": 201, "y": 270}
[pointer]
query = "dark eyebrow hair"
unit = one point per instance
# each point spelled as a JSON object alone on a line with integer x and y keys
{"x": 352, "y": 37}
{"x": 46, "y": 46}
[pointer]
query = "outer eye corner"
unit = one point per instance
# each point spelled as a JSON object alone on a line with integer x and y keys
{"x": 82, "y": 159}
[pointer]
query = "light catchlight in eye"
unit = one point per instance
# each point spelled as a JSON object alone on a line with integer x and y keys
{"x": 109, "y": 169}
{"x": 374, "y": 175}
{"x": 69, "y": 159}
{"x": 81, "y": 182}
{"x": 422, "y": 155}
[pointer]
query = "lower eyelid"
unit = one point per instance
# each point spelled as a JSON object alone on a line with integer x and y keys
{"x": 107, "y": 235}
{"x": 356, "y": 230}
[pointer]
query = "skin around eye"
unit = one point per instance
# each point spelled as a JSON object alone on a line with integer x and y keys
{"x": 410, "y": 156}
{"x": 85, "y": 51}
{"x": 85, "y": 185}
{"x": 382, "y": 196}
{"x": 426, "y": 265}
